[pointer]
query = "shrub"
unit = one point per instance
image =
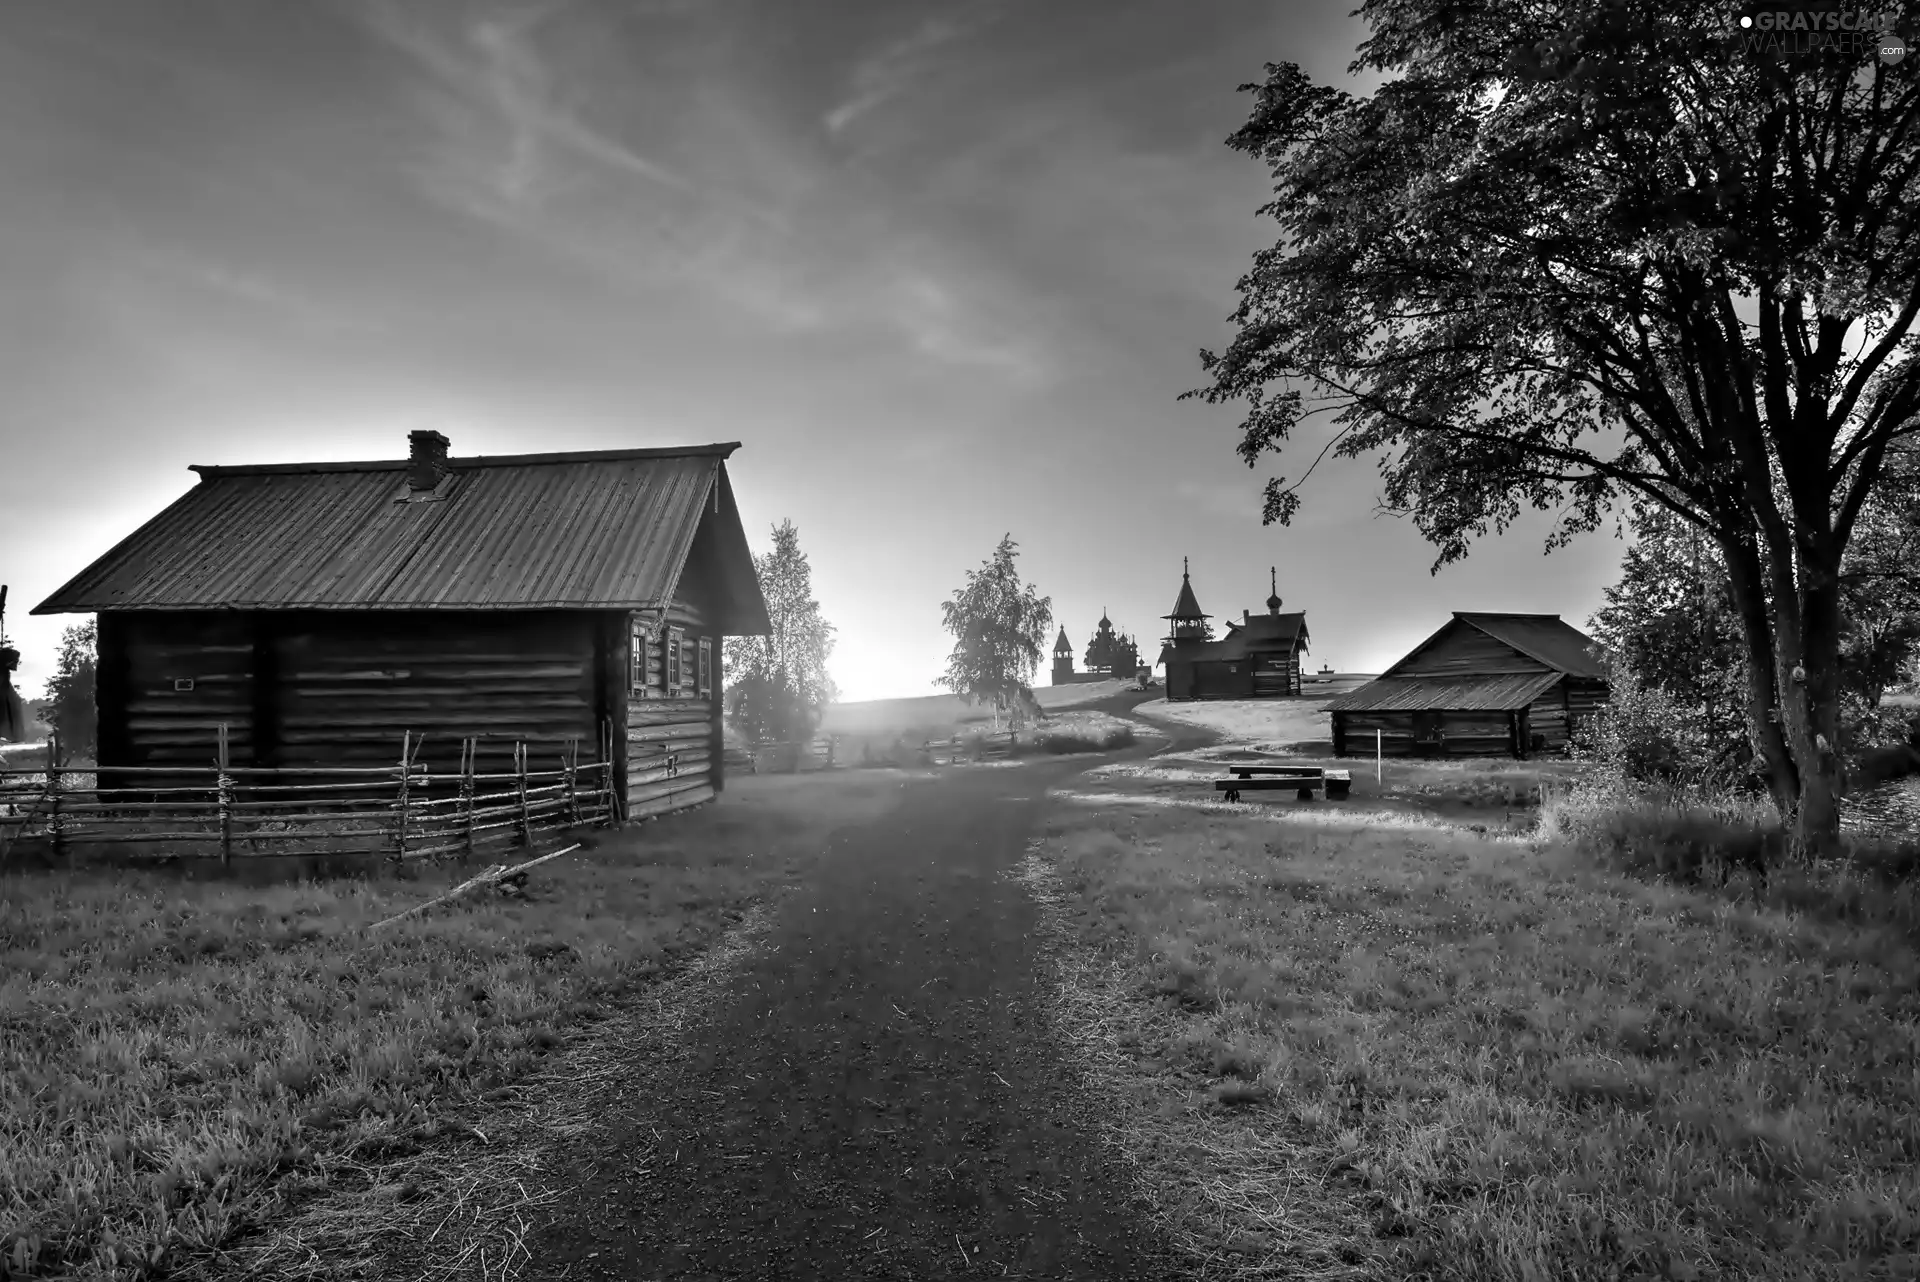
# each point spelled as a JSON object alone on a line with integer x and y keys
{"x": 1684, "y": 842}
{"x": 1068, "y": 740}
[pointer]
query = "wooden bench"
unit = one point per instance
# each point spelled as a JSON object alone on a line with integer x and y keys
{"x": 1302, "y": 780}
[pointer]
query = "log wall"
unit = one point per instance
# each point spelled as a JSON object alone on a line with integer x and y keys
{"x": 323, "y": 688}
{"x": 145, "y": 718}
{"x": 349, "y": 684}
{"x": 1464, "y": 734}
{"x": 674, "y": 753}
{"x": 316, "y": 688}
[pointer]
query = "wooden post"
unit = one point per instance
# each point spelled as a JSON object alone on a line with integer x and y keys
{"x": 53, "y": 790}
{"x": 570, "y": 764}
{"x": 1376, "y": 756}
{"x": 520, "y": 770}
{"x": 223, "y": 785}
{"x": 406, "y": 772}
{"x": 468, "y": 749}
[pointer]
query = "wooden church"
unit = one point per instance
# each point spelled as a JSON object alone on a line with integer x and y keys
{"x": 1109, "y": 655}
{"x": 1259, "y": 658}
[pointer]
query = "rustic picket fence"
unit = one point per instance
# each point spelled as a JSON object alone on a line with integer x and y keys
{"x": 403, "y": 811}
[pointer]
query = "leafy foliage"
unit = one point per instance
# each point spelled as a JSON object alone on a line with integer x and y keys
{"x": 1000, "y": 628}
{"x": 71, "y": 711}
{"x": 1672, "y": 619}
{"x": 1880, "y": 637}
{"x": 1571, "y": 253}
{"x": 779, "y": 687}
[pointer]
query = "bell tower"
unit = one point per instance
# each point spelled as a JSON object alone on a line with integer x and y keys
{"x": 1189, "y": 623}
{"x": 1063, "y": 660}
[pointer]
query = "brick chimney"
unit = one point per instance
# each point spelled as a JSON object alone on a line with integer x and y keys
{"x": 426, "y": 460}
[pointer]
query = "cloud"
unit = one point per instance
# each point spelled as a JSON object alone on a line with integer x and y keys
{"x": 884, "y": 75}
{"x": 498, "y": 100}
{"x": 580, "y": 139}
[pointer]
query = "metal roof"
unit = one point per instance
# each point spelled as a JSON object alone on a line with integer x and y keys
{"x": 606, "y": 529}
{"x": 1447, "y": 694}
{"x": 1544, "y": 637}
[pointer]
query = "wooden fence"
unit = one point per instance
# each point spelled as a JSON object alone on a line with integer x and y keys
{"x": 404, "y": 811}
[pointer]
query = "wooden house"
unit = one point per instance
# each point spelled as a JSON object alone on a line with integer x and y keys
{"x": 1259, "y": 658}
{"x": 320, "y": 610}
{"x": 1483, "y": 685}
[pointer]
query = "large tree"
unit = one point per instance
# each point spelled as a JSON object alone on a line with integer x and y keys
{"x": 999, "y": 627}
{"x": 778, "y": 687}
{"x": 1571, "y": 252}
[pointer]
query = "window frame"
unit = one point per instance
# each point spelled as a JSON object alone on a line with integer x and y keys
{"x": 639, "y": 641}
{"x": 703, "y": 678}
{"x": 675, "y": 674}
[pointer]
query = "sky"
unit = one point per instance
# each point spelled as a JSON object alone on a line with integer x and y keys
{"x": 942, "y": 269}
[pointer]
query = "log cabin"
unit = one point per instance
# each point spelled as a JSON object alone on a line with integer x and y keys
{"x": 1483, "y": 685}
{"x": 1259, "y": 658}
{"x": 321, "y": 610}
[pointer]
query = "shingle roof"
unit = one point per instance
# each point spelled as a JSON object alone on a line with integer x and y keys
{"x": 606, "y": 529}
{"x": 1446, "y": 694}
{"x": 1544, "y": 637}
{"x": 1186, "y": 605}
{"x": 1270, "y": 627}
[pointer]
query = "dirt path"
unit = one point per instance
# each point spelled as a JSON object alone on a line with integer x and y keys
{"x": 875, "y": 1096}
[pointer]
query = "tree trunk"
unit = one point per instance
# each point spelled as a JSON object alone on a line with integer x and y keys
{"x": 1810, "y": 708}
{"x": 1769, "y": 738}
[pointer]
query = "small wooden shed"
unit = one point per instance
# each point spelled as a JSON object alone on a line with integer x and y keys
{"x": 320, "y": 610}
{"x": 1483, "y": 685}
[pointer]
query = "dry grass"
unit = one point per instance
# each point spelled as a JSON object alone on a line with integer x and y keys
{"x": 1354, "y": 1051}
{"x": 1279, "y": 722}
{"x": 464, "y": 1215}
{"x": 188, "y": 1067}
{"x": 937, "y": 716}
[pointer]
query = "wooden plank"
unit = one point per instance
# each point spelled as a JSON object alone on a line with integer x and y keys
{"x": 642, "y": 795}
{"x": 694, "y": 795}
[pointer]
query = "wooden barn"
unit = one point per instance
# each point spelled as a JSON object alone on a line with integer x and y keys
{"x": 1483, "y": 685}
{"x": 320, "y": 610}
{"x": 1259, "y": 658}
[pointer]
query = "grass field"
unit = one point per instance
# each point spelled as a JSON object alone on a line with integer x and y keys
{"x": 183, "y": 1062}
{"x": 940, "y": 714}
{"x": 1271, "y": 722}
{"x": 1348, "y": 1042}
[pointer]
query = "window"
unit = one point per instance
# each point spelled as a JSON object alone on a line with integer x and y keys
{"x": 706, "y": 668}
{"x": 637, "y": 658}
{"x": 674, "y": 664}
